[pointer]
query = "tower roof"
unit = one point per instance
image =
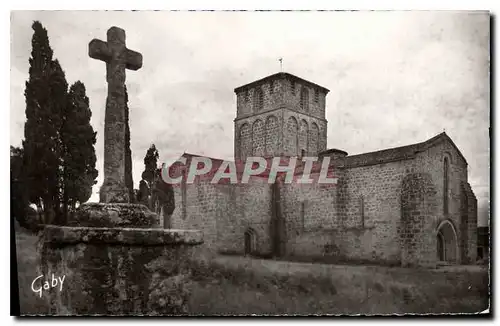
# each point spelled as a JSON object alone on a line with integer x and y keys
{"x": 280, "y": 75}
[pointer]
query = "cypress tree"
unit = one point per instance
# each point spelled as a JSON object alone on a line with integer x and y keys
{"x": 18, "y": 190}
{"x": 58, "y": 100}
{"x": 150, "y": 173}
{"x": 78, "y": 139}
{"x": 45, "y": 96}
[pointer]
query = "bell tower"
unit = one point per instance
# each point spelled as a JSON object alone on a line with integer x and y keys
{"x": 280, "y": 115}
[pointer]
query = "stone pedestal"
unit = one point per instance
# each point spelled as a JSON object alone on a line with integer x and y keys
{"x": 119, "y": 266}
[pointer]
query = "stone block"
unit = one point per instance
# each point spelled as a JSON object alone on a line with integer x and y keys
{"x": 117, "y": 271}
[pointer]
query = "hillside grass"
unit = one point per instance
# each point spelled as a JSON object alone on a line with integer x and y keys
{"x": 242, "y": 286}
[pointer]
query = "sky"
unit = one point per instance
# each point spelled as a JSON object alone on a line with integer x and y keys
{"x": 395, "y": 78}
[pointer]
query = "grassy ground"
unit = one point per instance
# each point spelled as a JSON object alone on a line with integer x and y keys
{"x": 236, "y": 285}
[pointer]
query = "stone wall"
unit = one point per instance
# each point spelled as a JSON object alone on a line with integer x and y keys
{"x": 224, "y": 212}
{"x": 417, "y": 233}
{"x": 303, "y": 132}
{"x": 259, "y": 135}
{"x": 468, "y": 225}
{"x": 314, "y": 106}
{"x": 245, "y": 105}
{"x": 116, "y": 271}
{"x": 371, "y": 210}
{"x": 432, "y": 162}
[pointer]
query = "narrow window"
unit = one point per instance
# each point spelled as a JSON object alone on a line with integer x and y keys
{"x": 247, "y": 95}
{"x": 316, "y": 95}
{"x": 293, "y": 87}
{"x": 304, "y": 99}
{"x": 271, "y": 87}
{"x": 362, "y": 211}
{"x": 302, "y": 214}
{"x": 258, "y": 99}
{"x": 183, "y": 193}
{"x": 445, "y": 186}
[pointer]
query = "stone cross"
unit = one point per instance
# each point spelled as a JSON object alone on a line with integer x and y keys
{"x": 117, "y": 58}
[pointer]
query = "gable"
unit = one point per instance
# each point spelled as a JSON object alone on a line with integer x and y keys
{"x": 400, "y": 153}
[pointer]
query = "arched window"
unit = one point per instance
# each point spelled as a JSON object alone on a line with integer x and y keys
{"x": 304, "y": 99}
{"x": 258, "y": 99}
{"x": 445, "y": 186}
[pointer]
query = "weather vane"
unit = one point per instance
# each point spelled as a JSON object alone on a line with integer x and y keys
{"x": 281, "y": 63}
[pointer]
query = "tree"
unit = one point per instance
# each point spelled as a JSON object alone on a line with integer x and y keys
{"x": 163, "y": 199}
{"x": 153, "y": 191}
{"x": 45, "y": 95}
{"x": 58, "y": 101}
{"x": 129, "y": 182}
{"x": 18, "y": 192}
{"x": 150, "y": 167}
{"x": 143, "y": 193}
{"x": 78, "y": 153}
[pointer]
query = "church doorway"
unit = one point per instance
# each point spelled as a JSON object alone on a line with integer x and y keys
{"x": 447, "y": 244}
{"x": 249, "y": 238}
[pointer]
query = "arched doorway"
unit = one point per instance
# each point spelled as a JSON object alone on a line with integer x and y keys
{"x": 250, "y": 241}
{"x": 447, "y": 244}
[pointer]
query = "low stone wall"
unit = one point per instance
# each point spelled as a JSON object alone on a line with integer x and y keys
{"x": 115, "y": 271}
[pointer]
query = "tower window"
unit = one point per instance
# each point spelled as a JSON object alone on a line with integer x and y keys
{"x": 258, "y": 99}
{"x": 293, "y": 87}
{"x": 271, "y": 87}
{"x": 247, "y": 95}
{"x": 304, "y": 99}
{"x": 445, "y": 186}
{"x": 316, "y": 95}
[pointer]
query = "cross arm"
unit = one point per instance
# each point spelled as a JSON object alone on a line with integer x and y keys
{"x": 99, "y": 50}
{"x": 134, "y": 60}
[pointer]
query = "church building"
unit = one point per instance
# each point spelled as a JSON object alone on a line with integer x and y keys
{"x": 409, "y": 206}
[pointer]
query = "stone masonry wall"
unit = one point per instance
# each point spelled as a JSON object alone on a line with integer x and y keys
{"x": 259, "y": 135}
{"x": 418, "y": 206}
{"x": 432, "y": 161}
{"x": 309, "y": 212}
{"x": 315, "y": 106}
{"x": 279, "y": 92}
{"x": 224, "y": 212}
{"x": 468, "y": 225}
{"x": 302, "y": 131}
{"x": 377, "y": 189}
{"x": 116, "y": 271}
{"x": 272, "y": 99}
